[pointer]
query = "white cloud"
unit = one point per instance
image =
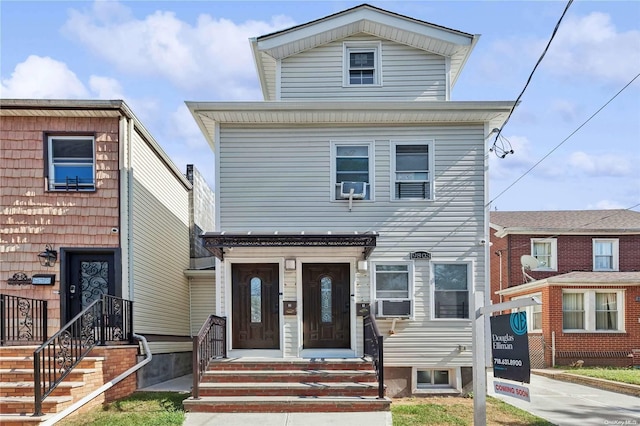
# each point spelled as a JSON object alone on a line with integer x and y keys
{"x": 600, "y": 165}
{"x": 514, "y": 164}
{"x": 42, "y": 77}
{"x": 212, "y": 55}
{"x": 605, "y": 205}
{"x": 105, "y": 87}
{"x": 565, "y": 109}
{"x": 182, "y": 127}
{"x": 590, "y": 45}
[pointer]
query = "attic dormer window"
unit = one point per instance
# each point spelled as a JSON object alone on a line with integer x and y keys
{"x": 362, "y": 64}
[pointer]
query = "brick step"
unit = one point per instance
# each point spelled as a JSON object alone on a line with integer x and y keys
{"x": 304, "y": 364}
{"x": 26, "y": 374}
{"x": 65, "y": 388}
{"x": 17, "y": 350}
{"x": 288, "y": 376}
{"x": 285, "y": 404}
{"x": 25, "y": 362}
{"x": 329, "y": 389}
{"x": 25, "y": 405}
{"x": 22, "y": 419}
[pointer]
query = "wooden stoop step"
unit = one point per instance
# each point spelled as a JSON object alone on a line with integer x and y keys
{"x": 283, "y": 386}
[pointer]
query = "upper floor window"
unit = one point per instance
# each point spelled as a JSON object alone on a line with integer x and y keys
{"x": 392, "y": 285}
{"x": 362, "y": 64}
{"x": 352, "y": 162}
{"x": 452, "y": 284}
{"x": 605, "y": 254}
{"x": 411, "y": 170}
{"x": 71, "y": 163}
{"x": 593, "y": 310}
{"x": 546, "y": 251}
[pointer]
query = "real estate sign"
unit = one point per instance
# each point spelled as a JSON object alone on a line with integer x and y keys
{"x": 510, "y": 347}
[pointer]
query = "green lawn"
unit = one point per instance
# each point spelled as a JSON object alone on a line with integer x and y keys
{"x": 624, "y": 375}
{"x": 165, "y": 409}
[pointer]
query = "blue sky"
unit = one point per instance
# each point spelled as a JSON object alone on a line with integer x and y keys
{"x": 156, "y": 55}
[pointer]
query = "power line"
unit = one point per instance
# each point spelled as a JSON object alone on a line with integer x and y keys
{"x": 564, "y": 140}
{"x": 553, "y": 34}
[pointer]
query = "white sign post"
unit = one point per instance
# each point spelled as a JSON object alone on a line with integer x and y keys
{"x": 479, "y": 359}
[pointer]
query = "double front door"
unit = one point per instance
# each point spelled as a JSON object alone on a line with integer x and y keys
{"x": 255, "y": 291}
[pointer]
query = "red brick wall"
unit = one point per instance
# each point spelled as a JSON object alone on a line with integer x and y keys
{"x": 118, "y": 359}
{"x": 586, "y": 342}
{"x": 33, "y": 217}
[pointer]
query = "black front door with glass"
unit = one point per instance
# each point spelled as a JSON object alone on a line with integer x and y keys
{"x": 326, "y": 305}
{"x": 90, "y": 275}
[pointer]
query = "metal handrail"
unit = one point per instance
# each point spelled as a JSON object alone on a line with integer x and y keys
{"x": 22, "y": 319}
{"x": 373, "y": 347}
{"x": 210, "y": 343}
{"x": 106, "y": 319}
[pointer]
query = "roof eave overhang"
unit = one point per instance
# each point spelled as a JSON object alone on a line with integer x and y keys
{"x": 216, "y": 242}
{"x": 559, "y": 281}
{"x": 556, "y": 232}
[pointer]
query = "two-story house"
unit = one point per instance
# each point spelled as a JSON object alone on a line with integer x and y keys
{"x": 92, "y": 205}
{"x": 584, "y": 266}
{"x": 357, "y": 183}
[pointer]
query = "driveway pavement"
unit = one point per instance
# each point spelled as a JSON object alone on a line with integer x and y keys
{"x": 569, "y": 404}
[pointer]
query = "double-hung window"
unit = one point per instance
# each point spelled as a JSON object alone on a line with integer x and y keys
{"x": 412, "y": 170}
{"x": 362, "y": 64}
{"x": 71, "y": 163}
{"x": 546, "y": 251}
{"x": 605, "y": 254}
{"x": 393, "y": 284}
{"x": 352, "y": 163}
{"x": 592, "y": 310}
{"x": 452, "y": 284}
{"x": 534, "y": 314}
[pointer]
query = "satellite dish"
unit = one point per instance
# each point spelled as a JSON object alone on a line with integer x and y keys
{"x": 529, "y": 262}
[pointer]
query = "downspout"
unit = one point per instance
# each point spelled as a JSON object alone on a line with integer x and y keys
{"x": 499, "y": 253}
{"x": 61, "y": 415}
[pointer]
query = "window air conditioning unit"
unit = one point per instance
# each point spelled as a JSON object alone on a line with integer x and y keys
{"x": 393, "y": 308}
{"x": 353, "y": 190}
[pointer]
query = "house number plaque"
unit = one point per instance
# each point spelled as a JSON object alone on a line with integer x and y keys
{"x": 425, "y": 255}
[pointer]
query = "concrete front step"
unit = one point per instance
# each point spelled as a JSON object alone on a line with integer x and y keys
{"x": 23, "y": 419}
{"x": 288, "y": 376}
{"x": 285, "y": 404}
{"x": 334, "y": 389}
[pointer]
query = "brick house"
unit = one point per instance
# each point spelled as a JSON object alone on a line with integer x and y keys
{"x": 92, "y": 206}
{"x": 585, "y": 268}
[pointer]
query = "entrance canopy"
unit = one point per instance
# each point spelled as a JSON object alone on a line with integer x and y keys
{"x": 216, "y": 242}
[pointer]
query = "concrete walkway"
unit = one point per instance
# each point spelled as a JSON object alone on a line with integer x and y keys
{"x": 564, "y": 403}
{"x": 184, "y": 383}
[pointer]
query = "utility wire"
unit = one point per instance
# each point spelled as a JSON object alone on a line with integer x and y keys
{"x": 564, "y": 140}
{"x": 553, "y": 34}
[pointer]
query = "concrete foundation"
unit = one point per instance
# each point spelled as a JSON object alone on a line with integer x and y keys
{"x": 164, "y": 367}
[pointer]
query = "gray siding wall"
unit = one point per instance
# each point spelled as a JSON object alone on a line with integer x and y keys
{"x": 203, "y": 300}
{"x": 407, "y": 74}
{"x": 278, "y": 179}
{"x": 160, "y": 249}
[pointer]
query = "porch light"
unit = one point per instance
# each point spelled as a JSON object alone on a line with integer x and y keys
{"x": 48, "y": 257}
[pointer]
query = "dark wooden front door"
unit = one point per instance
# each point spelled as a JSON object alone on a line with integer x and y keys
{"x": 90, "y": 276}
{"x": 325, "y": 305}
{"x": 256, "y": 308}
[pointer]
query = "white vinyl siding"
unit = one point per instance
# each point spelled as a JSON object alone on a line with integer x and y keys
{"x": 407, "y": 73}
{"x": 161, "y": 246}
{"x": 203, "y": 301}
{"x": 277, "y": 179}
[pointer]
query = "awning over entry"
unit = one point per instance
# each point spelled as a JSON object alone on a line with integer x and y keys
{"x": 216, "y": 242}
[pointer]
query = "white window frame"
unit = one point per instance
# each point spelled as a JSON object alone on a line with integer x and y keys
{"x": 411, "y": 279}
{"x": 530, "y": 311}
{"x": 362, "y": 46}
{"x": 52, "y": 185}
{"x": 334, "y": 168}
{"x": 470, "y": 287}
{"x": 590, "y": 310}
{"x": 430, "y": 143}
{"x": 451, "y": 383}
{"x": 554, "y": 253}
{"x": 615, "y": 250}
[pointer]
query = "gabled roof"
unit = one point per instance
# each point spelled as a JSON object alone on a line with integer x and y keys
{"x": 366, "y": 19}
{"x": 569, "y": 222}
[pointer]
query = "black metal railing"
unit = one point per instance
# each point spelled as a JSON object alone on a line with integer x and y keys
{"x": 210, "y": 343}
{"x": 106, "y": 319}
{"x": 22, "y": 320}
{"x": 373, "y": 347}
